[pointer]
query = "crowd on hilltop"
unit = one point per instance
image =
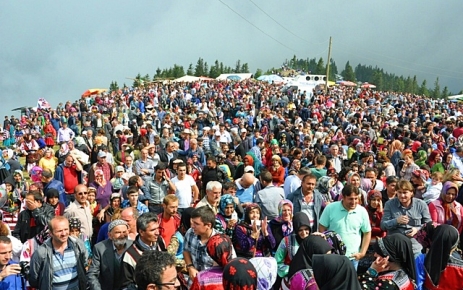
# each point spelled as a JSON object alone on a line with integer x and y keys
{"x": 233, "y": 185}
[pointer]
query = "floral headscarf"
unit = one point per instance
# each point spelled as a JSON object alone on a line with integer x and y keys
{"x": 422, "y": 157}
{"x": 286, "y": 226}
{"x": 266, "y": 268}
{"x": 239, "y": 274}
{"x": 220, "y": 248}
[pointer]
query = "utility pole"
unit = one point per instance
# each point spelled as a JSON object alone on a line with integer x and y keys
{"x": 328, "y": 67}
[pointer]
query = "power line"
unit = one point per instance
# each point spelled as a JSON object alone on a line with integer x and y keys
{"x": 279, "y": 24}
{"x": 276, "y": 40}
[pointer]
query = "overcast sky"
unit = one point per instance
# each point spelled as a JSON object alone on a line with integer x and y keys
{"x": 58, "y": 49}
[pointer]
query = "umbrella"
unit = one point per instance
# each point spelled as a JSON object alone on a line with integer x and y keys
{"x": 90, "y": 92}
{"x": 234, "y": 78}
{"x": 367, "y": 85}
{"x": 271, "y": 78}
{"x": 348, "y": 84}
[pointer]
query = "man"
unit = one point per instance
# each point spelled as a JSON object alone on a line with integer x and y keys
{"x": 169, "y": 153}
{"x": 80, "y": 209}
{"x": 34, "y": 218}
{"x": 169, "y": 220}
{"x": 130, "y": 216}
{"x": 132, "y": 200}
{"x": 372, "y": 173}
{"x": 355, "y": 228}
{"x": 59, "y": 263}
{"x": 212, "y": 173}
{"x": 187, "y": 191}
{"x": 307, "y": 200}
{"x": 457, "y": 161}
{"x": 158, "y": 188}
{"x": 194, "y": 252}
{"x": 405, "y": 214}
{"x": 335, "y": 158}
{"x": 215, "y": 144}
{"x": 144, "y": 168}
{"x": 156, "y": 271}
{"x": 148, "y": 239}
{"x": 49, "y": 182}
{"x": 106, "y": 261}
{"x": 293, "y": 182}
{"x": 269, "y": 197}
{"x": 9, "y": 275}
{"x": 128, "y": 165}
{"x": 69, "y": 173}
{"x": 389, "y": 192}
{"x": 319, "y": 170}
{"x": 102, "y": 164}
{"x": 245, "y": 189}
{"x": 65, "y": 134}
{"x": 238, "y": 147}
{"x": 212, "y": 198}
{"x": 195, "y": 149}
{"x": 260, "y": 144}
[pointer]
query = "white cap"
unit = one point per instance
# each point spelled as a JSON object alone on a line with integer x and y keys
{"x": 217, "y": 133}
{"x": 248, "y": 169}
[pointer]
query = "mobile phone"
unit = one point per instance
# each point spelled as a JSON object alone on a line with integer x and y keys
{"x": 258, "y": 224}
{"x": 234, "y": 216}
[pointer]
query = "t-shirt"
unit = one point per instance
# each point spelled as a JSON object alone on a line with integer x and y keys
{"x": 70, "y": 178}
{"x": 184, "y": 192}
{"x": 168, "y": 230}
{"x": 349, "y": 225}
{"x": 318, "y": 172}
{"x": 308, "y": 209}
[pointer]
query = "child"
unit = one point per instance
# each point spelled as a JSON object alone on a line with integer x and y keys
{"x": 74, "y": 231}
{"x": 433, "y": 188}
{"x": 132, "y": 200}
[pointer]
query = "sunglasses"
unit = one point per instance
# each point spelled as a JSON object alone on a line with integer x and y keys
{"x": 83, "y": 193}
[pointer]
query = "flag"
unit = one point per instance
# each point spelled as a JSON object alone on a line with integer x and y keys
{"x": 43, "y": 104}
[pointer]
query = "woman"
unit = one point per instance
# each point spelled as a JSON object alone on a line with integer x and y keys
{"x": 375, "y": 213}
{"x": 251, "y": 239}
{"x": 266, "y": 268}
{"x": 288, "y": 247}
{"x": 282, "y": 226}
{"x": 277, "y": 170}
{"x": 48, "y": 161}
{"x": 104, "y": 189}
{"x": 394, "y": 267}
{"x": 409, "y": 165}
{"x": 219, "y": 247}
{"x": 434, "y": 158}
{"x": 445, "y": 209}
{"x": 226, "y": 218}
{"x": 453, "y": 175}
{"x": 418, "y": 179}
{"x": 247, "y": 161}
{"x": 301, "y": 266}
{"x": 62, "y": 153}
{"x": 422, "y": 158}
{"x": 388, "y": 167}
{"x": 442, "y": 266}
{"x": 395, "y": 152}
{"x": 355, "y": 179}
{"x": 239, "y": 274}
{"x": 324, "y": 186}
{"x": 442, "y": 162}
{"x": 334, "y": 272}
{"x": 50, "y": 134}
{"x": 52, "y": 196}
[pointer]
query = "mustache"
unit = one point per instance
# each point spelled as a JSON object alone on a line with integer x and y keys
{"x": 120, "y": 241}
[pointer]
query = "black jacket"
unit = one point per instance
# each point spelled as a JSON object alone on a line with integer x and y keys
{"x": 42, "y": 215}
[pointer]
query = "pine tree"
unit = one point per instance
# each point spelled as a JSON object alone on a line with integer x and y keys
{"x": 258, "y": 73}
{"x": 190, "y": 71}
{"x": 377, "y": 80}
{"x": 199, "y": 69}
{"x": 445, "y": 93}
{"x": 245, "y": 68}
{"x": 237, "y": 66}
{"x": 321, "y": 69}
{"x": 423, "y": 91}
{"x": 436, "y": 93}
{"x": 348, "y": 73}
{"x": 333, "y": 71}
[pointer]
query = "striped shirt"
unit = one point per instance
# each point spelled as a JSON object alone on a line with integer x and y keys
{"x": 65, "y": 270}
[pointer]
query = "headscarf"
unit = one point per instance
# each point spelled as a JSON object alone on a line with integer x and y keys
{"x": 266, "y": 268}
{"x": 274, "y": 142}
{"x": 324, "y": 184}
{"x": 239, "y": 274}
{"x": 399, "y": 249}
{"x": 220, "y": 248}
{"x": 445, "y": 239}
{"x": 422, "y": 157}
{"x": 257, "y": 164}
{"x": 423, "y": 174}
{"x": 64, "y": 150}
{"x": 225, "y": 200}
{"x": 335, "y": 241}
{"x": 415, "y": 146}
{"x": 372, "y": 194}
{"x": 249, "y": 159}
{"x": 36, "y": 173}
{"x": 450, "y": 213}
{"x": 396, "y": 145}
{"x": 247, "y": 220}
{"x": 286, "y": 226}
{"x": 300, "y": 219}
{"x": 350, "y": 175}
{"x": 334, "y": 272}
{"x": 75, "y": 223}
{"x": 432, "y": 157}
{"x": 303, "y": 258}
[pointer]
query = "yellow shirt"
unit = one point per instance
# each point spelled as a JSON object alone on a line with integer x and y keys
{"x": 46, "y": 163}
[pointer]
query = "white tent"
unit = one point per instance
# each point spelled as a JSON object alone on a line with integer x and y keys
{"x": 243, "y": 76}
{"x": 187, "y": 78}
{"x": 455, "y": 97}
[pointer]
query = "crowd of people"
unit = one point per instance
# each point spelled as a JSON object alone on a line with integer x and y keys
{"x": 233, "y": 185}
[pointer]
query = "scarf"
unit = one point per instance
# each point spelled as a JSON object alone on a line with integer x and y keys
{"x": 239, "y": 274}
{"x": 450, "y": 213}
{"x": 334, "y": 272}
{"x": 286, "y": 226}
{"x": 225, "y": 200}
{"x": 445, "y": 239}
{"x": 220, "y": 248}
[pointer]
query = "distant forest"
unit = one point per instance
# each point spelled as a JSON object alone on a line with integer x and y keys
{"x": 383, "y": 80}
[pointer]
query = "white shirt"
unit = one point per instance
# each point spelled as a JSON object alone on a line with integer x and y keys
{"x": 184, "y": 191}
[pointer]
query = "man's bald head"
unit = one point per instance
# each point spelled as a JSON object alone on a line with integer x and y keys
{"x": 247, "y": 180}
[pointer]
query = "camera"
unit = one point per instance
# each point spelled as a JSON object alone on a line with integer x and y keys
{"x": 25, "y": 268}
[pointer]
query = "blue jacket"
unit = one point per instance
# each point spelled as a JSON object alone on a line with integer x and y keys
{"x": 58, "y": 185}
{"x": 13, "y": 282}
{"x": 296, "y": 198}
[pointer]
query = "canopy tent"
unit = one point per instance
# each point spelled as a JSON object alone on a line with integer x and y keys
{"x": 367, "y": 85}
{"x": 347, "y": 84}
{"x": 243, "y": 76}
{"x": 187, "y": 79}
{"x": 455, "y": 97}
{"x": 271, "y": 78}
{"x": 90, "y": 92}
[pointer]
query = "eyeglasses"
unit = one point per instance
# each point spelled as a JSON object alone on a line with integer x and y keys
{"x": 83, "y": 193}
